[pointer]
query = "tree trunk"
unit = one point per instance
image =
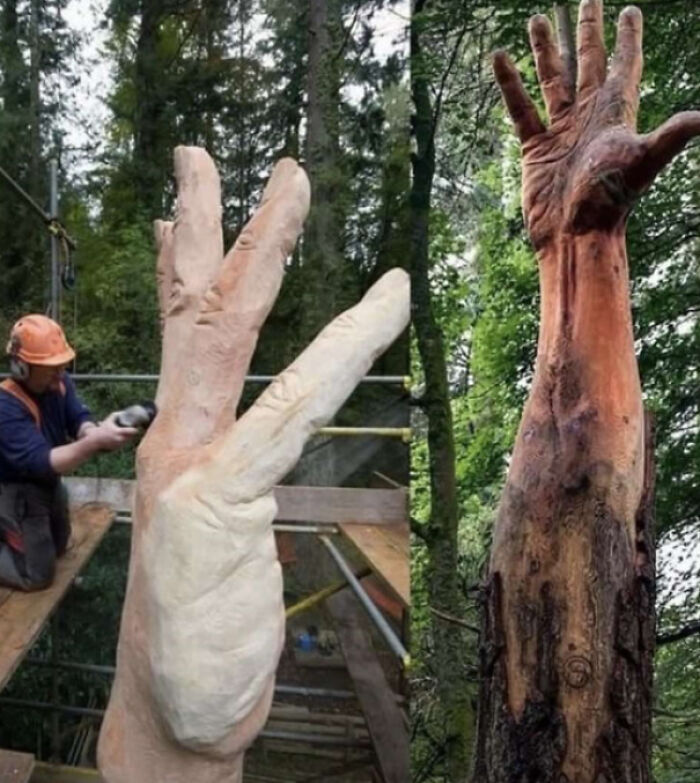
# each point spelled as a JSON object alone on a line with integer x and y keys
{"x": 321, "y": 277}
{"x": 568, "y": 642}
{"x": 35, "y": 184}
{"x": 323, "y": 238}
{"x": 150, "y": 152}
{"x": 444, "y": 591}
{"x": 566, "y": 664}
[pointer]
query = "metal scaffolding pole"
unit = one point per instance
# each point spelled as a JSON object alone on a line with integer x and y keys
{"x": 375, "y": 615}
{"x": 291, "y": 736}
{"x": 55, "y": 283}
{"x": 151, "y": 378}
{"x": 321, "y": 595}
{"x": 55, "y": 716}
{"x": 280, "y": 688}
{"x": 278, "y": 527}
{"x": 378, "y": 432}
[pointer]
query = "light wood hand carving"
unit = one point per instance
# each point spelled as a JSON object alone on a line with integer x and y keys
{"x": 203, "y": 621}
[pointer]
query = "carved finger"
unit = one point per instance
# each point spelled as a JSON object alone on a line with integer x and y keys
{"x": 218, "y": 619}
{"x": 235, "y": 307}
{"x": 197, "y": 233}
{"x": 556, "y": 90}
{"x": 661, "y": 146}
{"x": 163, "y": 233}
{"x": 626, "y": 68}
{"x": 197, "y": 254}
{"x": 565, "y": 37}
{"x": 590, "y": 47}
{"x": 520, "y": 106}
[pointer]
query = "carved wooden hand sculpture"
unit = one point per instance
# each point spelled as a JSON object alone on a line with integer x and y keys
{"x": 566, "y": 686}
{"x": 203, "y": 621}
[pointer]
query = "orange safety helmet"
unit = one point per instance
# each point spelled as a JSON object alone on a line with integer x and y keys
{"x": 37, "y": 339}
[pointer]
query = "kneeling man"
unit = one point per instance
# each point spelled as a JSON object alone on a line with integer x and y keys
{"x": 45, "y": 432}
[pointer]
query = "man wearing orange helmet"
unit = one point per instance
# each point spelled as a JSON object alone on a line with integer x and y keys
{"x": 45, "y": 432}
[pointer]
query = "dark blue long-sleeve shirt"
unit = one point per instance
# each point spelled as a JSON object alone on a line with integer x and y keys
{"x": 24, "y": 449}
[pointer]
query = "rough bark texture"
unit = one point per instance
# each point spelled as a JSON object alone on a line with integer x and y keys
{"x": 444, "y": 593}
{"x": 203, "y": 620}
{"x": 150, "y": 101}
{"x": 569, "y": 626}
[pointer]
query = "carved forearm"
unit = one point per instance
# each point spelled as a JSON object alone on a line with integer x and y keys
{"x": 586, "y": 388}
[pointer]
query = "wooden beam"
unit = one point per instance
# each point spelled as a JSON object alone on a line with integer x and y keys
{"x": 23, "y": 615}
{"x": 387, "y": 549}
{"x": 384, "y": 718}
{"x": 342, "y": 505}
{"x": 332, "y": 505}
{"x": 115, "y": 493}
{"x": 57, "y": 773}
{"x": 15, "y": 767}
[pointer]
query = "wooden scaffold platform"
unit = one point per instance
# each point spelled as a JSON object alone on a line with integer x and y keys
{"x": 374, "y": 521}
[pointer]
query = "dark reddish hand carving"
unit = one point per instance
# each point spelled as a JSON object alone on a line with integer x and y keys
{"x": 585, "y": 169}
{"x": 562, "y": 698}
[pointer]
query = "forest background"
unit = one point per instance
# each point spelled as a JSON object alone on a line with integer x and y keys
{"x": 255, "y": 79}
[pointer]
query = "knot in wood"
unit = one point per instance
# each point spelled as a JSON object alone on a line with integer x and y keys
{"x": 578, "y": 671}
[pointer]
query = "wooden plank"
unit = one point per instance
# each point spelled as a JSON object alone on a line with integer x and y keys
{"x": 384, "y": 718}
{"x": 116, "y": 493}
{"x": 15, "y": 767}
{"x": 387, "y": 549}
{"x": 342, "y": 505}
{"x": 23, "y": 615}
{"x": 332, "y": 505}
{"x": 55, "y": 773}
{"x": 5, "y": 593}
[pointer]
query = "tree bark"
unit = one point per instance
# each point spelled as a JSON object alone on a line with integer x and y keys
{"x": 35, "y": 101}
{"x": 150, "y": 152}
{"x": 566, "y": 661}
{"x": 323, "y": 237}
{"x": 444, "y": 593}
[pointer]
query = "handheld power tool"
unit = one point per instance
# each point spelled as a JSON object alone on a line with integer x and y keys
{"x": 140, "y": 415}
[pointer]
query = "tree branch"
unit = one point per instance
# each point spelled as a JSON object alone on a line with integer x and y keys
{"x": 452, "y": 619}
{"x": 680, "y": 633}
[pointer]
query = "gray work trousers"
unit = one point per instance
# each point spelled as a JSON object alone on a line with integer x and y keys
{"x": 34, "y": 531}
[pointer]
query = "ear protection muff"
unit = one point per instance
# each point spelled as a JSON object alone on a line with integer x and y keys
{"x": 19, "y": 369}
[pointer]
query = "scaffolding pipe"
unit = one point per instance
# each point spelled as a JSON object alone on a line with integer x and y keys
{"x": 126, "y": 519}
{"x": 55, "y": 722}
{"x": 150, "y": 378}
{"x": 320, "y": 529}
{"x": 375, "y": 615}
{"x": 55, "y": 314}
{"x": 321, "y": 595}
{"x": 379, "y": 432}
{"x": 291, "y": 736}
{"x": 45, "y": 705}
{"x": 287, "y": 690}
{"x": 22, "y": 193}
{"x": 298, "y": 690}
{"x": 80, "y": 667}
